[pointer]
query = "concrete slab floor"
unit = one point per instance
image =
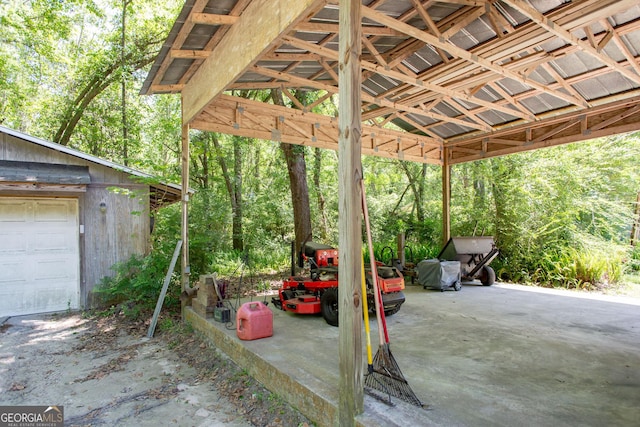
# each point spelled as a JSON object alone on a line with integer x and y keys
{"x": 504, "y": 355}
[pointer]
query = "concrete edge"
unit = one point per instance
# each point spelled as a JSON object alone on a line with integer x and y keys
{"x": 317, "y": 408}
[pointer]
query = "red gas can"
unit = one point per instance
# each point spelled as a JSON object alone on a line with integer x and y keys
{"x": 254, "y": 320}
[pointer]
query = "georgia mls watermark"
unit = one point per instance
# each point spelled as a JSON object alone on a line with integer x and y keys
{"x": 31, "y": 416}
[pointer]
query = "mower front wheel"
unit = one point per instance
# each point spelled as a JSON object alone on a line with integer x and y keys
{"x": 392, "y": 311}
{"x": 329, "y": 306}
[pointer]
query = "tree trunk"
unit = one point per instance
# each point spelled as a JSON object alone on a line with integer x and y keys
{"x": 416, "y": 183}
{"x": 297, "y": 168}
{"x": 123, "y": 87}
{"x": 317, "y": 167}
{"x": 234, "y": 188}
{"x": 102, "y": 78}
{"x": 238, "y": 236}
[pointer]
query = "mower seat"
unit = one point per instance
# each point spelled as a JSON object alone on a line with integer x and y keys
{"x": 386, "y": 272}
{"x": 310, "y": 248}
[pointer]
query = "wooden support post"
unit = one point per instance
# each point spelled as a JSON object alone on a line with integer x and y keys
{"x": 185, "y": 212}
{"x": 351, "y": 399}
{"x": 635, "y": 227}
{"x": 402, "y": 257}
{"x": 446, "y": 197}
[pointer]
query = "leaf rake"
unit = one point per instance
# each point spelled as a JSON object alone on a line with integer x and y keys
{"x": 383, "y": 373}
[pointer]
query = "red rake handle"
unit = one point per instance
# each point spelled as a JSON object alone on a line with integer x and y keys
{"x": 382, "y": 322}
{"x": 383, "y": 319}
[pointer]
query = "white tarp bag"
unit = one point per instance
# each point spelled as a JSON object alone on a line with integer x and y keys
{"x": 440, "y": 275}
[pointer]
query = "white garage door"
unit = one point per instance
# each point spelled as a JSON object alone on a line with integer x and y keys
{"x": 39, "y": 255}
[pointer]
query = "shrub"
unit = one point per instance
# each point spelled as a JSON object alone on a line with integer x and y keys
{"x": 138, "y": 281}
{"x": 633, "y": 263}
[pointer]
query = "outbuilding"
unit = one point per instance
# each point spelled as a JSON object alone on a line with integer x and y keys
{"x": 66, "y": 217}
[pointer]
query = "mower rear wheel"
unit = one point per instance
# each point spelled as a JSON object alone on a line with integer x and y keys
{"x": 392, "y": 311}
{"x": 329, "y": 306}
{"x": 488, "y": 276}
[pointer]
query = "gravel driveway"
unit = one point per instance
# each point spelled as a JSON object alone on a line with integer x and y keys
{"x": 104, "y": 371}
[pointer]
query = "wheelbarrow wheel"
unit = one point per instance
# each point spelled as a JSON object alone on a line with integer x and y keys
{"x": 488, "y": 276}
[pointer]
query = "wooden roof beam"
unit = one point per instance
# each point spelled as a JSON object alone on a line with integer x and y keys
{"x": 526, "y": 37}
{"x": 551, "y": 26}
{"x": 324, "y": 28}
{"x": 464, "y": 54}
{"x": 256, "y": 31}
{"x": 212, "y": 19}
{"x": 621, "y": 45}
{"x": 384, "y": 71}
{"x": 238, "y": 8}
{"x": 189, "y": 54}
{"x": 419, "y": 127}
{"x": 177, "y": 44}
{"x": 433, "y": 27}
{"x": 365, "y": 97}
{"x": 606, "y": 117}
{"x": 254, "y": 119}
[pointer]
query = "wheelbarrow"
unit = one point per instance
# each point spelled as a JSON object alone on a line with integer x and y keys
{"x": 474, "y": 254}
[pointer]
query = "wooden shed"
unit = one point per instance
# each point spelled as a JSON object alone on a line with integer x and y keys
{"x": 66, "y": 218}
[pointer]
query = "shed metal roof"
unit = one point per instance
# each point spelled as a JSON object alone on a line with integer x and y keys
{"x": 48, "y": 173}
{"x": 161, "y": 193}
{"x": 455, "y": 79}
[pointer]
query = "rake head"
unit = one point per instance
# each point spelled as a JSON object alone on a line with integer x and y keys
{"x": 384, "y": 375}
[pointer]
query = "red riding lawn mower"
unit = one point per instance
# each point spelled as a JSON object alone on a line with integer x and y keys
{"x": 318, "y": 294}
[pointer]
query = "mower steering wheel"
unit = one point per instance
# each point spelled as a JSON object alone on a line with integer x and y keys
{"x": 390, "y": 251}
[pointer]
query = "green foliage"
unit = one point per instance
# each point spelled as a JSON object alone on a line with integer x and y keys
{"x": 560, "y": 216}
{"x": 633, "y": 262}
{"x": 139, "y": 280}
{"x": 387, "y": 253}
{"x": 590, "y": 268}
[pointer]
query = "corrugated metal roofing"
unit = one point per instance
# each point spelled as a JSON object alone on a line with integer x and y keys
{"x": 475, "y": 70}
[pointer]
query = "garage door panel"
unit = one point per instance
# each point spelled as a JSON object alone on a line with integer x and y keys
{"x": 13, "y": 212}
{"x": 12, "y": 273}
{"x": 39, "y": 258}
{"x": 57, "y": 299}
{"x": 53, "y": 269}
{"x": 51, "y": 242}
{"x": 13, "y": 243}
{"x": 51, "y": 212}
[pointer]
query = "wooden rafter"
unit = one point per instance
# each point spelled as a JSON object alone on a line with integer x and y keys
{"x": 467, "y": 103}
{"x": 385, "y": 71}
{"x": 607, "y": 119}
{"x": 556, "y": 29}
{"x": 464, "y": 54}
{"x": 255, "y": 39}
{"x": 617, "y": 39}
{"x": 255, "y": 119}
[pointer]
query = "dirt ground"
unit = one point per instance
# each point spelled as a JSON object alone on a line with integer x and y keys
{"x": 104, "y": 371}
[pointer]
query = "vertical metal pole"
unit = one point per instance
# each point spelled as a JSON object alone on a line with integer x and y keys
{"x": 351, "y": 399}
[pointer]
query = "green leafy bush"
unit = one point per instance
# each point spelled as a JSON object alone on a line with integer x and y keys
{"x": 596, "y": 265}
{"x": 633, "y": 263}
{"x": 138, "y": 282}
